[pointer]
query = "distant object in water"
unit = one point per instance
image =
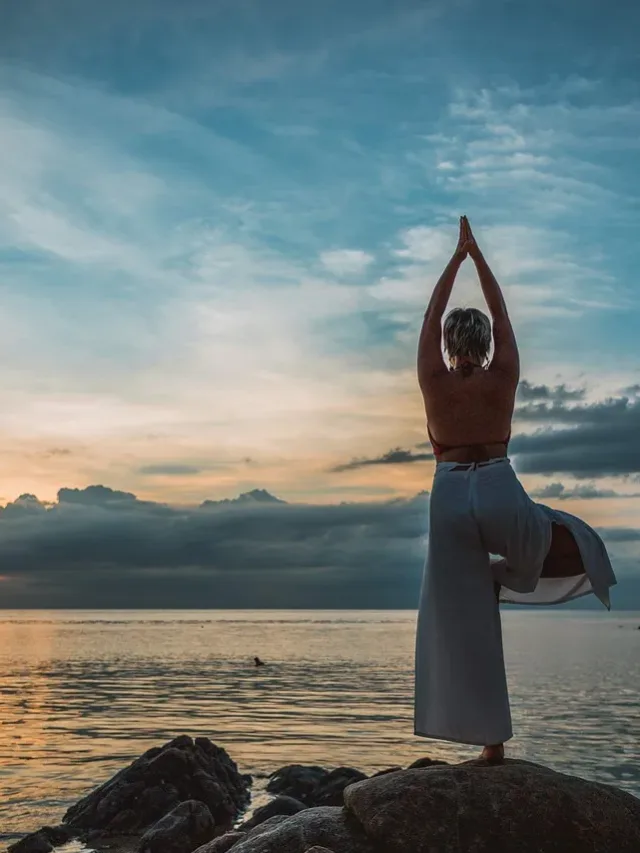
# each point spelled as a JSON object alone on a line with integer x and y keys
{"x": 259, "y": 662}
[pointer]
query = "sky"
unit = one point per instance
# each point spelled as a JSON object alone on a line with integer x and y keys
{"x": 220, "y": 225}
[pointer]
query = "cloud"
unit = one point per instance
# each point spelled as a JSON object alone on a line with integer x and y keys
{"x": 596, "y": 439}
{"x": 632, "y": 390}
{"x": 535, "y": 142}
{"x": 558, "y": 491}
{"x": 529, "y": 392}
{"x": 169, "y": 470}
{"x": 103, "y": 547}
{"x": 397, "y": 456}
{"x": 24, "y": 506}
{"x": 346, "y": 262}
{"x": 254, "y": 551}
{"x": 102, "y": 496}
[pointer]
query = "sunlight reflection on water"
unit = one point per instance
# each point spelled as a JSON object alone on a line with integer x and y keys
{"x": 84, "y": 693}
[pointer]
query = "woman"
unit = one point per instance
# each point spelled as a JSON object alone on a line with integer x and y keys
{"x": 478, "y": 508}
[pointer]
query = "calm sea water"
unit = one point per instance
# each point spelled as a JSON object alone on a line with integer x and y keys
{"x": 84, "y": 693}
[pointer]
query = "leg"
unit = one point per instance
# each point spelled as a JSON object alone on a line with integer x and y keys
{"x": 494, "y": 754}
{"x": 564, "y": 559}
{"x": 461, "y": 689}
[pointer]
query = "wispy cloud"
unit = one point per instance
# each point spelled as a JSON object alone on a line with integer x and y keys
{"x": 397, "y": 456}
{"x": 589, "y": 491}
{"x": 346, "y": 261}
{"x": 560, "y": 394}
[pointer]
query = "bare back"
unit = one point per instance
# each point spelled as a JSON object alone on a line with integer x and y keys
{"x": 470, "y": 410}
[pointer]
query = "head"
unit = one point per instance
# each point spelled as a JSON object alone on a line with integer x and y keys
{"x": 467, "y": 335}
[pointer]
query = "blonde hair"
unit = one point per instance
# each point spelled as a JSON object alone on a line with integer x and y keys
{"x": 467, "y": 332}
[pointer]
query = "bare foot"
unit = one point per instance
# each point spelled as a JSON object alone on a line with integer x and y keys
{"x": 493, "y": 754}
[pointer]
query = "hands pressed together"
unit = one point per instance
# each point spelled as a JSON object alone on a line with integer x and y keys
{"x": 466, "y": 242}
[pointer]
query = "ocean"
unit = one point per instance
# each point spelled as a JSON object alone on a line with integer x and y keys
{"x": 83, "y": 693}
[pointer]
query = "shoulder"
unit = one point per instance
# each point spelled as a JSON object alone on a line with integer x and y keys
{"x": 433, "y": 378}
{"x": 504, "y": 374}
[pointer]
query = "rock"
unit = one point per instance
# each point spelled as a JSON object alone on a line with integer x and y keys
{"x": 480, "y": 808}
{"x": 326, "y": 826}
{"x": 427, "y": 762}
{"x": 329, "y": 791}
{"x": 42, "y": 841}
{"x": 278, "y": 806}
{"x": 100, "y": 843}
{"x": 222, "y": 843}
{"x": 229, "y": 839}
{"x": 267, "y": 825}
{"x": 188, "y": 826}
{"x": 388, "y": 770}
{"x": 318, "y": 849}
{"x": 35, "y": 842}
{"x": 57, "y": 835}
{"x": 311, "y": 785}
{"x": 162, "y": 778}
{"x": 296, "y": 780}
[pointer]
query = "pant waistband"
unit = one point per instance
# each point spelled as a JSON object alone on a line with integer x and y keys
{"x": 472, "y": 466}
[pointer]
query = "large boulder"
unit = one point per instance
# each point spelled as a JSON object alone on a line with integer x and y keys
{"x": 326, "y": 826}
{"x": 480, "y": 808}
{"x": 145, "y": 791}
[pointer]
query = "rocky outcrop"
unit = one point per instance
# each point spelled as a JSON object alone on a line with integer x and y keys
{"x": 311, "y": 785}
{"x": 184, "y": 829}
{"x": 475, "y": 807}
{"x": 479, "y": 808}
{"x": 153, "y": 785}
{"x": 431, "y": 807}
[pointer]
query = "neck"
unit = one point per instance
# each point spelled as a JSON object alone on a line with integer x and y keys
{"x": 460, "y": 361}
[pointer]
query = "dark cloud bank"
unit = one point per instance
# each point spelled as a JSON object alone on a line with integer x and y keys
{"x": 97, "y": 547}
{"x": 101, "y": 548}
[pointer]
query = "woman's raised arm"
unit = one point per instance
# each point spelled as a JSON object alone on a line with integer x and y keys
{"x": 430, "y": 361}
{"x": 505, "y": 353}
